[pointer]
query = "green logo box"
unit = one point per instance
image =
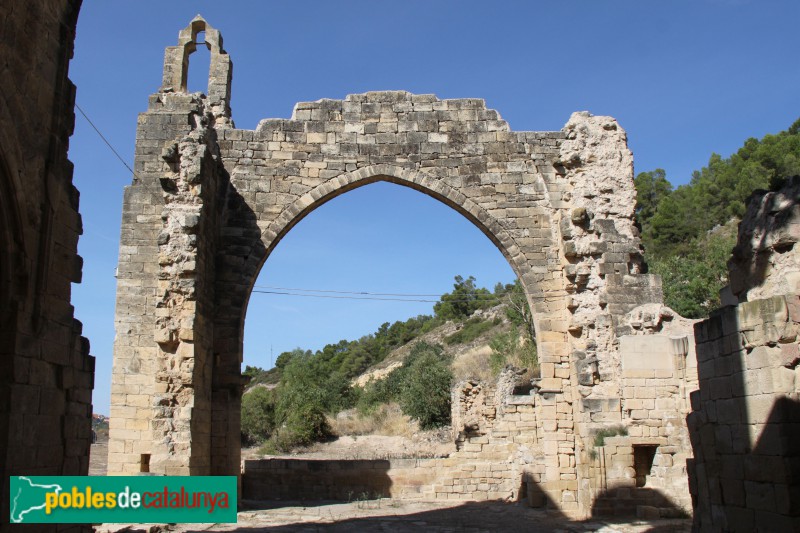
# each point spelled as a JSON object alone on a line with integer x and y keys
{"x": 122, "y": 499}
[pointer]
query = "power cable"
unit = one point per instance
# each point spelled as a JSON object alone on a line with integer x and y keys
{"x": 477, "y": 296}
{"x": 340, "y": 297}
{"x": 105, "y": 140}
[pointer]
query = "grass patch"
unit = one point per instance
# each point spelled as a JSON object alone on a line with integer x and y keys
{"x": 613, "y": 431}
{"x": 387, "y": 419}
{"x": 474, "y": 364}
{"x": 601, "y": 435}
{"x": 471, "y": 330}
{"x": 514, "y": 347}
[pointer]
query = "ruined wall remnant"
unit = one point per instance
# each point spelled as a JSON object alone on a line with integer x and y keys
{"x": 765, "y": 260}
{"x": 496, "y": 447}
{"x": 211, "y": 202}
{"x": 745, "y": 422}
{"x": 46, "y": 372}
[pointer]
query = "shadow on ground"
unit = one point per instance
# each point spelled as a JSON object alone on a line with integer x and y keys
{"x": 399, "y": 517}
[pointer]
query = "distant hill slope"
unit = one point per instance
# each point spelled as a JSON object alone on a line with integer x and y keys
{"x": 414, "y": 363}
{"x": 466, "y": 341}
{"x": 470, "y": 355}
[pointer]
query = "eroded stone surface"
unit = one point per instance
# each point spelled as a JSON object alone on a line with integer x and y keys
{"x": 766, "y": 259}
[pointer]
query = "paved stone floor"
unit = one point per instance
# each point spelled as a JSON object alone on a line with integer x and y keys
{"x": 400, "y": 517}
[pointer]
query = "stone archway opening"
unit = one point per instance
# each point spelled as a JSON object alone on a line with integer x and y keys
{"x": 199, "y": 65}
{"x": 376, "y": 434}
{"x": 420, "y": 240}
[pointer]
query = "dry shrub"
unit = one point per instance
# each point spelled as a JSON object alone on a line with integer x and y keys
{"x": 516, "y": 349}
{"x": 387, "y": 419}
{"x": 474, "y": 364}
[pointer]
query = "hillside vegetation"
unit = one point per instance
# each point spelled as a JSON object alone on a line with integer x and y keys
{"x": 292, "y": 404}
{"x": 688, "y": 232}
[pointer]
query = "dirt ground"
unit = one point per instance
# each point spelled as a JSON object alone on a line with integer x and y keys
{"x": 98, "y": 457}
{"x": 401, "y": 517}
{"x": 386, "y": 514}
{"x": 371, "y": 447}
{"x": 358, "y": 447}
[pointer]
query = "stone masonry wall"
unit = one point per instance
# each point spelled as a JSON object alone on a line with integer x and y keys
{"x": 344, "y": 480}
{"x": 496, "y": 430}
{"x": 46, "y": 372}
{"x": 653, "y": 406}
{"x": 449, "y": 478}
{"x": 745, "y": 420}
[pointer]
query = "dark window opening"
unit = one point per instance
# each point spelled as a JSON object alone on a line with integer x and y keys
{"x": 522, "y": 388}
{"x": 144, "y": 465}
{"x": 643, "y": 456}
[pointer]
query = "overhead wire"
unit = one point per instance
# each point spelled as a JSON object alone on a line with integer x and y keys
{"x": 105, "y": 140}
{"x": 359, "y": 293}
{"x": 375, "y": 296}
{"x": 340, "y": 297}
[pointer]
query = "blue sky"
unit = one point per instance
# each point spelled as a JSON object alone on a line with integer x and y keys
{"x": 684, "y": 78}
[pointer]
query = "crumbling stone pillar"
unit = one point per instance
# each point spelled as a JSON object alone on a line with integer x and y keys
{"x": 161, "y": 387}
{"x": 181, "y": 422}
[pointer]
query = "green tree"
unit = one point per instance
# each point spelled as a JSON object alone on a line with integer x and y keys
{"x": 252, "y": 371}
{"x": 718, "y": 192}
{"x": 286, "y": 357}
{"x": 303, "y": 399}
{"x": 517, "y": 309}
{"x": 465, "y": 299}
{"x": 258, "y": 415}
{"x": 692, "y": 282}
{"x": 677, "y": 223}
{"x": 651, "y": 188}
{"x": 427, "y": 378}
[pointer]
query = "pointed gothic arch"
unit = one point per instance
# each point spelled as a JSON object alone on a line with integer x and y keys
{"x": 212, "y": 202}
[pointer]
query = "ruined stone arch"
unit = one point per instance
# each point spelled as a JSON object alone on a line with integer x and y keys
{"x": 46, "y": 373}
{"x": 413, "y": 179}
{"x": 211, "y": 202}
{"x": 237, "y": 289}
{"x": 13, "y": 274}
{"x": 9, "y": 282}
